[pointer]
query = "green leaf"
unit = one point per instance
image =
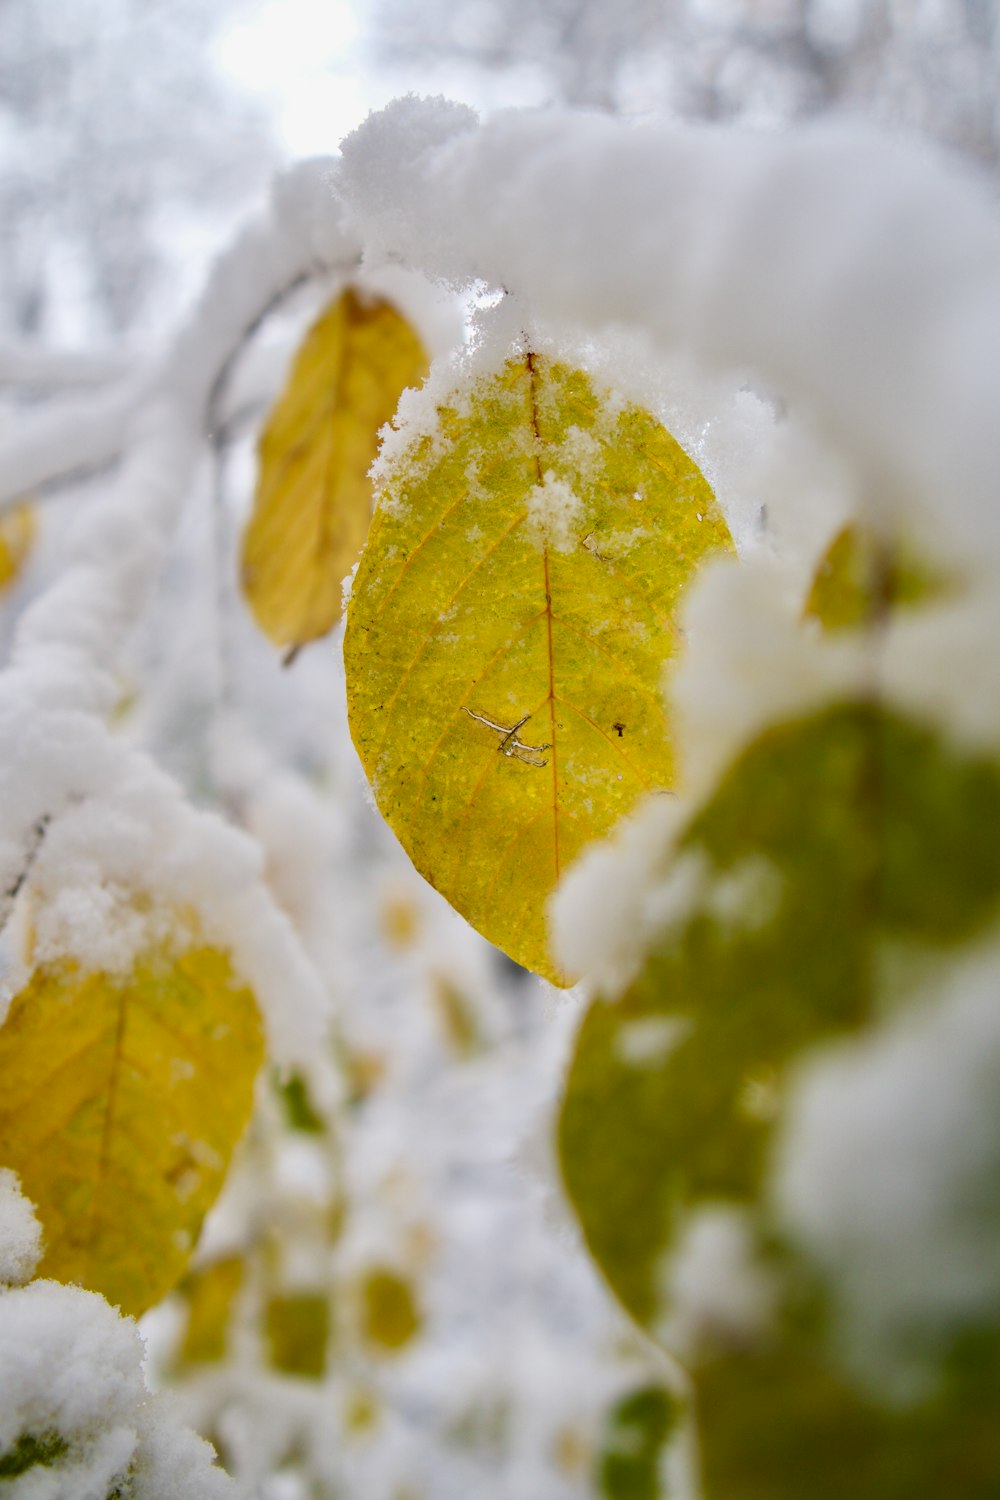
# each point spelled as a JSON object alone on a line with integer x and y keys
{"x": 637, "y": 1429}
{"x": 121, "y": 1099}
{"x": 32, "y": 1451}
{"x": 833, "y": 843}
{"x": 780, "y": 1423}
{"x": 299, "y": 1110}
{"x": 507, "y": 631}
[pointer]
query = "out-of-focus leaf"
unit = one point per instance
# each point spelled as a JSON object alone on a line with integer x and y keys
{"x": 781, "y": 1423}
{"x": 830, "y": 842}
{"x": 457, "y": 1013}
{"x": 862, "y": 576}
{"x": 31, "y": 1451}
{"x": 297, "y": 1331}
{"x": 390, "y": 1317}
{"x": 18, "y": 528}
{"x": 121, "y": 1098}
{"x": 314, "y": 498}
{"x": 400, "y": 921}
{"x": 299, "y": 1109}
{"x": 637, "y": 1428}
{"x": 507, "y": 632}
{"x": 210, "y": 1293}
{"x": 361, "y": 1411}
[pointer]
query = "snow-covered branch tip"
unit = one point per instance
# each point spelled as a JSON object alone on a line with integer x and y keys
{"x": 856, "y": 275}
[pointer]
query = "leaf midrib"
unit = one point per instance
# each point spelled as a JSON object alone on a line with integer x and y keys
{"x": 529, "y": 360}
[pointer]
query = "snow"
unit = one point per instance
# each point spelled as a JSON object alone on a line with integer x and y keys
{"x": 20, "y": 1232}
{"x": 71, "y": 1369}
{"x": 715, "y": 1291}
{"x": 614, "y": 899}
{"x": 553, "y": 510}
{"x": 817, "y": 319}
{"x": 885, "y": 1168}
{"x": 776, "y": 254}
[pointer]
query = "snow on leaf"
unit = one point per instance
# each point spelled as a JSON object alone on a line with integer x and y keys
{"x": 314, "y": 498}
{"x": 507, "y": 631}
{"x": 121, "y": 1098}
{"x": 876, "y": 832}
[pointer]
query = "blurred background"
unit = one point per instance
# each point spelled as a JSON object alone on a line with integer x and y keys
{"x": 133, "y": 135}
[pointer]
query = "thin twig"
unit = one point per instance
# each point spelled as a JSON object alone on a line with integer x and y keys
{"x": 9, "y": 898}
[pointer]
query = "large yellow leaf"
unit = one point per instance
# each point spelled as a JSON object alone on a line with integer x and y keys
{"x": 121, "y": 1099}
{"x": 507, "y": 631}
{"x": 314, "y": 498}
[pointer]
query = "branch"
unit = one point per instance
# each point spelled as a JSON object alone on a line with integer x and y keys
{"x": 59, "y": 443}
{"x": 122, "y": 537}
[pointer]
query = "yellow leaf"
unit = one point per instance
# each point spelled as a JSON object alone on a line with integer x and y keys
{"x": 210, "y": 1294}
{"x": 391, "y": 1317}
{"x": 121, "y": 1098}
{"x": 457, "y": 1013}
{"x": 518, "y": 595}
{"x": 18, "y": 528}
{"x": 861, "y": 577}
{"x": 297, "y": 1326}
{"x": 314, "y": 498}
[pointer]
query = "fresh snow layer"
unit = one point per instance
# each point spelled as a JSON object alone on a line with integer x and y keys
{"x": 858, "y": 277}
{"x": 71, "y": 1370}
{"x": 20, "y": 1232}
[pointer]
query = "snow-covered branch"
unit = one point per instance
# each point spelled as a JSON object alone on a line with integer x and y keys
{"x": 29, "y": 368}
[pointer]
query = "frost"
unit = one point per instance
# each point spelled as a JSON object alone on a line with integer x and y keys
{"x": 20, "y": 1232}
{"x": 554, "y": 512}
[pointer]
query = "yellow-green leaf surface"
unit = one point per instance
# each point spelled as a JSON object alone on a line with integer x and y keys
{"x": 783, "y": 1423}
{"x": 210, "y": 1294}
{"x": 390, "y": 1316}
{"x": 835, "y": 844}
{"x": 861, "y": 577}
{"x": 314, "y": 498}
{"x": 507, "y": 632}
{"x": 18, "y": 527}
{"x": 121, "y": 1098}
{"x": 297, "y": 1331}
